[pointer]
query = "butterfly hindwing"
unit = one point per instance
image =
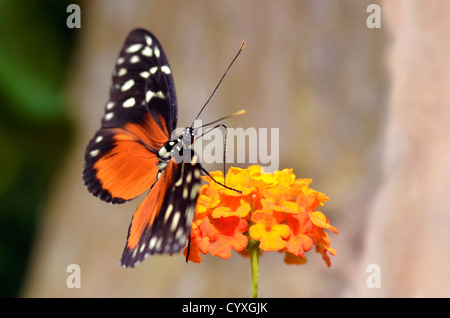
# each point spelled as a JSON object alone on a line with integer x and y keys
{"x": 120, "y": 160}
{"x": 168, "y": 232}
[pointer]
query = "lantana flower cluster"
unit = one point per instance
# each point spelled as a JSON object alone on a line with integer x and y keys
{"x": 275, "y": 210}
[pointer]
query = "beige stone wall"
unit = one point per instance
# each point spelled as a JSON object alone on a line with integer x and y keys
{"x": 409, "y": 220}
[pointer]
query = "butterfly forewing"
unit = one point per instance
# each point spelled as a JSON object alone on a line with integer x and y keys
{"x": 141, "y": 71}
{"x": 140, "y": 115}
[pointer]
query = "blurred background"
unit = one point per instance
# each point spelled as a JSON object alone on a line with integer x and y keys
{"x": 363, "y": 112}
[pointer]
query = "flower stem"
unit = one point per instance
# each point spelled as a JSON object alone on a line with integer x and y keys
{"x": 254, "y": 262}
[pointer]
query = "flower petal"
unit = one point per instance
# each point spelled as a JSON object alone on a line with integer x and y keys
{"x": 285, "y": 177}
{"x": 225, "y": 234}
{"x": 320, "y": 220}
{"x": 292, "y": 259}
{"x": 278, "y": 199}
{"x": 241, "y": 211}
{"x": 272, "y": 236}
{"x": 299, "y": 244}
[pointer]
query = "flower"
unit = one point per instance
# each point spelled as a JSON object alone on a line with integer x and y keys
{"x": 274, "y": 209}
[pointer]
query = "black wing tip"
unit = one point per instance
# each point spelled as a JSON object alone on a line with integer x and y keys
{"x": 132, "y": 257}
{"x": 95, "y": 188}
{"x": 138, "y": 34}
{"x": 128, "y": 264}
{"x": 140, "y": 30}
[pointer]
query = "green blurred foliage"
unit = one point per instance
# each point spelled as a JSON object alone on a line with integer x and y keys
{"x": 35, "y": 131}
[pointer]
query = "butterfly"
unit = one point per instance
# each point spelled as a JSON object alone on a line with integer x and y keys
{"x": 133, "y": 152}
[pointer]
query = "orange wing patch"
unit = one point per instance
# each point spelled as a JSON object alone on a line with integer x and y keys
{"x": 157, "y": 130}
{"x": 122, "y": 162}
{"x": 128, "y": 169}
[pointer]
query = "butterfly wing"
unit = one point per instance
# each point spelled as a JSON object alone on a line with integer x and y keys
{"x": 120, "y": 160}
{"x": 167, "y": 231}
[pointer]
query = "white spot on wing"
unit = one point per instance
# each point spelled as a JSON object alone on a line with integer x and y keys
{"x": 153, "y": 69}
{"x": 157, "y": 52}
{"x": 98, "y": 139}
{"x": 144, "y": 74}
{"x": 149, "y": 95}
{"x": 179, "y": 233}
{"x": 127, "y": 85}
{"x": 120, "y": 60}
{"x": 134, "y": 59}
{"x": 108, "y": 116}
{"x": 159, "y": 243}
{"x": 165, "y": 69}
{"x": 175, "y": 221}
{"x": 152, "y": 242}
{"x": 148, "y": 40}
{"x": 94, "y": 153}
{"x": 134, "y": 48}
{"x": 129, "y": 102}
{"x": 179, "y": 182}
{"x": 110, "y": 105}
{"x": 194, "y": 191}
{"x": 168, "y": 212}
{"x": 147, "y": 51}
{"x": 122, "y": 72}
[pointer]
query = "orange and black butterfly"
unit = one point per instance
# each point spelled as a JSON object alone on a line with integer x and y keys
{"x": 133, "y": 152}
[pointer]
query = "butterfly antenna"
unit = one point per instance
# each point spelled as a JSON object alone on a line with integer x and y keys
{"x": 238, "y": 113}
{"x": 221, "y": 79}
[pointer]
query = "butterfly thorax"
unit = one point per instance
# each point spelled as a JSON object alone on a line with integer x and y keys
{"x": 175, "y": 149}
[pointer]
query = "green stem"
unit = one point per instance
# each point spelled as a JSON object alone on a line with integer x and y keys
{"x": 253, "y": 250}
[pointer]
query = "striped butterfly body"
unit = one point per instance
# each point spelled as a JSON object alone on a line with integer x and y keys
{"x": 132, "y": 152}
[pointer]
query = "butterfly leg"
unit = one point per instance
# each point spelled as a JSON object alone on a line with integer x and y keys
{"x": 224, "y": 142}
{"x": 189, "y": 245}
{"x": 224, "y": 150}
{"x": 209, "y": 175}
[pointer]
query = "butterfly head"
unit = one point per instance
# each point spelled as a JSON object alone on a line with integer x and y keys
{"x": 187, "y": 138}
